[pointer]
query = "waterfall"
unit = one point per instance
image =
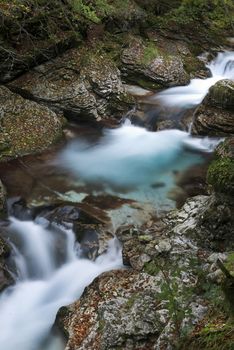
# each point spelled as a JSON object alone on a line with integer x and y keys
{"x": 222, "y": 67}
{"x": 44, "y": 284}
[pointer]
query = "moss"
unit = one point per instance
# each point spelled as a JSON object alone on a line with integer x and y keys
{"x": 148, "y": 84}
{"x": 101, "y": 325}
{"x": 230, "y": 262}
{"x": 210, "y": 18}
{"x": 150, "y": 53}
{"x": 214, "y": 336}
{"x": 152, "y": 268}
{"x": 192, "y": 64}
{"x": 221, "y": 175}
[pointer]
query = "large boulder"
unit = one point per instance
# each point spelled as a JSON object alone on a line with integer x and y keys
{"x": 151, "y": 66}
{"x": 80, "y": 84}
{"x": 26, "y": 127}
{"x": 118, "y": 310}
{"x": 215, "y": 116}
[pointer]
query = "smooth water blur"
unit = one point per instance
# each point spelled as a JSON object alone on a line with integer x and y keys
{"x": 222, "y": 67}
{"x": 28, "y": 309}
{"x": 130, "y": 156}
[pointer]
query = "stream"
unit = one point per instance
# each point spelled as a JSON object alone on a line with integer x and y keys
{"x": 128, "y": 163}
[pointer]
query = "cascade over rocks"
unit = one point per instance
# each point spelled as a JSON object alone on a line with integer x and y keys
{"x": 215, "y": 116}
{"x": 26, "y": 127}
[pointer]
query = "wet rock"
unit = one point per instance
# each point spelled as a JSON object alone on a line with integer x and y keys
{"x": 5, "y": 277}
{"x": 2, "y": 199}
{"x": 91, "y": 234}
{"x": 80, "y": 84}
{"x": 26, "y": 127}
{"x": 152, "y": 64}
{"x": 215, "y": 115}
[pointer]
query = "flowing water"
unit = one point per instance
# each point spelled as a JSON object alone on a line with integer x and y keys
{"x": 44, "y": 282}
{"x": 46, "y": 262}
{"x": 222, "y": 67}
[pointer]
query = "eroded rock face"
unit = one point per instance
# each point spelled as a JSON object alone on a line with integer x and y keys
{"x": 152, "y": 64}
{"x": 78, "y": 84}
{"x": 215, "y": 116}
{"x": 26, "y": 127}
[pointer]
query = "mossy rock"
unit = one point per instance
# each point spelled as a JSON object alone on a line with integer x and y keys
{"x": 150, "y": 63}
{"x": 221, "y": 175}
{"x": 25, "y": 126}
{"x": 222, "y": 94}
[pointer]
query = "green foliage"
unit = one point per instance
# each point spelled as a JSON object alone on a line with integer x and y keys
{"x": 95, "y": 11}
{"x": 214, "y": 336}
{"x": 213, "y": 16}
{"x": 80, "y": 8}
{"x": 230, "y": 262}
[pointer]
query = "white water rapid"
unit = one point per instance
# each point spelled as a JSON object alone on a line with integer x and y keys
{"x": 45, "y": 283}
{"x": 222, "y": 67}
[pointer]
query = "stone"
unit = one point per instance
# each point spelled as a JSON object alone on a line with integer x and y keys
{"x": 164, "y": 246}
{"x": 119, "y": 309}
{"x": 215, "y": 116}
{"x": 152, "y": 64}
{"x": 5, "y": 277}
{"x": 80, "y": 84}
{"x": 26, "y": 127}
